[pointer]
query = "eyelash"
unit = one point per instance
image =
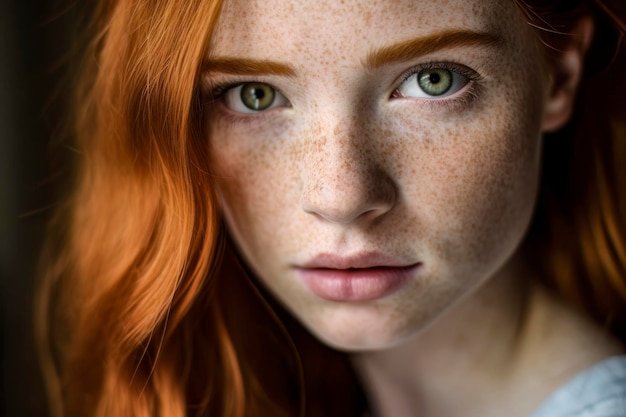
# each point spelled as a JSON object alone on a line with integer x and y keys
{"x": 216, "y": 91}
{"x": 464, "y": 97}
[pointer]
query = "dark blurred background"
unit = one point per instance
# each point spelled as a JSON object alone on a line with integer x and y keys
{"x": 36, "y": 40}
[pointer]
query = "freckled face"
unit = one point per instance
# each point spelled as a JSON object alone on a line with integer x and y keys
{"x": 429, "y": 158}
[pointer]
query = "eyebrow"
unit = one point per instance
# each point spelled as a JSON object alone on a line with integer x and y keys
{"x": 400, "y": 52}
{"x": 413, "y": 48}
{"x": 245, "y": 66}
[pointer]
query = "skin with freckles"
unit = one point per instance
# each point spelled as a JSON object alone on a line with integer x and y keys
{"x": 347, "y": 165}
{"x": 406, "y": 134}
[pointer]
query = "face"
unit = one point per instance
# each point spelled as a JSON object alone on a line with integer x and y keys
{"x": 376, "y": 161}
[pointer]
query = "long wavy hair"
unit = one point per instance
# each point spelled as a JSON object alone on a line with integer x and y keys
{"x": 143, "y": 310}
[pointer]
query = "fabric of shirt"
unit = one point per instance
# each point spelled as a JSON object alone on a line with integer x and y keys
{"x": 596, "y": 392}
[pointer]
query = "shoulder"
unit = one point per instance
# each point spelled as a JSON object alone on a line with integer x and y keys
{"x": 597, "y": 392}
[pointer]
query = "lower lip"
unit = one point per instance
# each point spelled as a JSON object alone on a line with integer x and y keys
{"x": 356, "y": 284}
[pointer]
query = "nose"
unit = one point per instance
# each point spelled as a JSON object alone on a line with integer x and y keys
{"x": 343, "y": 182}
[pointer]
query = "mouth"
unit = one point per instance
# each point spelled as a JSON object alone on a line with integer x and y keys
{"x": 364, "y": 277}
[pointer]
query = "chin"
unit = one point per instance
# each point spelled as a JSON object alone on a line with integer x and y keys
{"x": 355, "y": 343}
{"x": 354, "y": 332}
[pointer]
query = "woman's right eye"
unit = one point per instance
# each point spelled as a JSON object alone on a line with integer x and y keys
{"x": 253, "y": 97}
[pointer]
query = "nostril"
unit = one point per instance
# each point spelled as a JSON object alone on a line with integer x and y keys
{"x": 347, "y": 201}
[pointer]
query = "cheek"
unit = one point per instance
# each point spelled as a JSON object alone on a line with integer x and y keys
{"x": 257, "y": 178}
{"x": 474, "y": 179}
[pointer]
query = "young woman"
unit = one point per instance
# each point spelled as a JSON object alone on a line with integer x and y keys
{"x": 396, "y": 208}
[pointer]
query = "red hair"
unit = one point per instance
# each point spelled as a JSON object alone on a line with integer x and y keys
{"x": 579, "y": 232}
{"x": 140, "y": 225}
{"x": 142, "y": 309}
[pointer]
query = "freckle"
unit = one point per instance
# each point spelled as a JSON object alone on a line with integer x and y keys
{"x": 337, "y": 130}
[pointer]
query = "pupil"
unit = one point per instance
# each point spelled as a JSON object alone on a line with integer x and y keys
{"x": 435, "y": 78}
{"x": 258, "y": 93}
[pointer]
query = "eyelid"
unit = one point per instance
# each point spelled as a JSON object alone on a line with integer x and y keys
{"x": 213, "y": 89}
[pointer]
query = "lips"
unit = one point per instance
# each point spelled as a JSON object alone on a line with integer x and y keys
{"x": 363, "y": 277}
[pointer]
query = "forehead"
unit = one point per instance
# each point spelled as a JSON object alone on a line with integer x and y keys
{"x": 305, "y": 29}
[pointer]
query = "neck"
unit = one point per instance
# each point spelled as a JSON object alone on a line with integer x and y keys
{"x": 493, "y": 352}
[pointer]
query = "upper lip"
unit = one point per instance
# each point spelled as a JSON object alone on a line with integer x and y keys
{"x": 355, "y": 261}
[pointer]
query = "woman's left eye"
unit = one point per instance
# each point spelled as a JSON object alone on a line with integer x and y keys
{"x": 432, "y": 83}
{"x": 253, "y": 97}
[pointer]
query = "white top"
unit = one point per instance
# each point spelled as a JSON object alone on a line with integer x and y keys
{"x": 599, "y": 391}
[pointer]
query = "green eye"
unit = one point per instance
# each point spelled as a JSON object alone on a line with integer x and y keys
{"x": 257, "y": 96}
{"x": 253, "y": 97}
{"x": 435, "y": 81}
